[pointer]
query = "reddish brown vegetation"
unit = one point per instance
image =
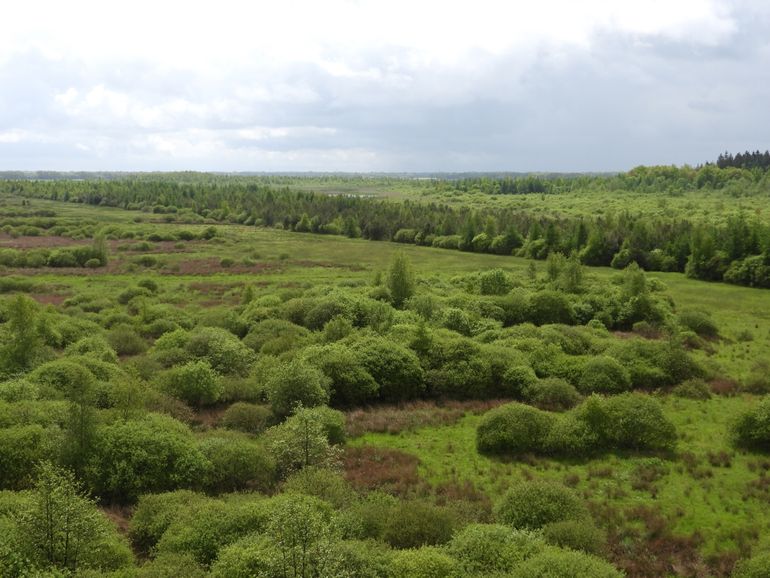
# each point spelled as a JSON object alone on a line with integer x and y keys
{"x": 370, "y": 468}
{"x": 49, "y": 298}
{"x": 409, "y": 416}
{"x": 726, "y": 387}
{"x": 41, "y": 242}
{"x": 641, "y": 543}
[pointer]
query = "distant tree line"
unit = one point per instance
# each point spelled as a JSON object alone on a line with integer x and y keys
{"x": 737, "y": 251}
{"x": 746, "y": 160}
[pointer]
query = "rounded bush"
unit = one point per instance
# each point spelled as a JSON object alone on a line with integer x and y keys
{"x": 153, "y": 454}
{"x": 751, "y": 429}
{"x": 699, "y": 322}
{"x": 237, "y": 463}
{"x": 532, "y": 505}
{"x": 518, "y": 378}
{"x": 195, "y": 383}
{"x": 296, "y": 382}
{"x": 247, "y": 417}
{"x": 571, "y": 437}
{"x": 484, "y": 548}
{"x": 580, "y": 535}
{"x": 252, "y": 555}
{"x": 126, "y": 341}
{"x": 223, "y": 350}
{"x": 351, "y": 383}
{"x": 692, "y": 389}
{"x": 755, "y": 567}
{"x": 603, "y": 374}
{"x": 424, "y": 563}
{"x": 63, "y": 376}
{"x": 513, "y": 429}
{"x": 557, "y": 563}
{"x": 630, "y": 421}
{"x": 362, "y": 559}
{"x": 416, "y": 523}
{"x": 21, "y": 448}
{"x": 322, "y": 483}
{"x": 154, "y": 514}
{"x": 395, "y": 368}
{"x": 551, "y": 307}
{"x": 203, "y": 528}
{"x": 167, "y": 565}
{"x": 495, "y": 282}
{"x": 553, "y": 394}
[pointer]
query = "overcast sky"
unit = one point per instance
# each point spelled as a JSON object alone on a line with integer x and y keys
{"x": 392, "y": 85}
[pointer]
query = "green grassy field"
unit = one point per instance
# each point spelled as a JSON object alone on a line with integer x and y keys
{"x": 706, "y": 494}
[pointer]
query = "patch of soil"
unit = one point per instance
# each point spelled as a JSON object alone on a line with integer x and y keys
{"x": 120, "y": 516}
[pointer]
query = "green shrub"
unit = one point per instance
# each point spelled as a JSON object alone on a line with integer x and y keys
{"x": 203, "y": 528}
{"x": 351, "y": 383}
{"x": 362, "y": 559}
{"x": 154, "y": 514}
{"x": 250, "y": 556}
{"x": 321, "y": 483}
{"x": 126, "y": 341}
{"x": 487, "y": 548}
{"x": 247, "y": 417}
{"x": 223, "y": 350}
{"x": 303, "y": 533}
{"x": 700, "y": 322}
{"x": 556, "y": 563}
{"x": 571, "y": 437}
{"x": 629, "y": 421}
{"x": 427, "y": 562}
{"x": 62, "y": 530}
{"x": 21, "y": 449}
{"x": 19, "y": 389}
{"x": 532, "y": 505}
{"x": 167, "y": 565}
{"x": 367, "y": 517}
{"x": 237, "y": 463}
{"x": 692, "y": 389}
{"x": 518, "y": 379}
{"x": 415, "y": 523}
{"x": 551, "y": 307}
{"x": 457, "y": 320}
{"x": 603, "y": 374}
{"x": 155, "y": 453}
{"x": 296, "y": 382}
{"x": 195, "y": 383}
{"x": 751, "y": 429}
{"x": 301, "y": 441}
{"x": 580, "y": 535}
{"x": 755, "y": 567}
{"x": 513, "y": 429}
{"x": 552, "y": 394}
{"x": 395, "y": 368}
{"x": 495, "y": 282}
{"x": 62, "y": 376}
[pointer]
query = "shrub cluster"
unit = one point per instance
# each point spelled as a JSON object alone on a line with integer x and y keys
{"x": 629, "y": 421}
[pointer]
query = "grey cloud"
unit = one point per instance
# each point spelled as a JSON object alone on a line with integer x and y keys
{"x": 624, "y": 101}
